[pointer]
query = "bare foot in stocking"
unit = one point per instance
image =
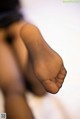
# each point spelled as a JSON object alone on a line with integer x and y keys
{"x": 47, "y": 64}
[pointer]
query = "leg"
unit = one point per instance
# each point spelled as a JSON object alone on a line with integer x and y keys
{"x": 12, "y": 86}
{"x": 47, "y": 64}
{"x": 22, "y": 56}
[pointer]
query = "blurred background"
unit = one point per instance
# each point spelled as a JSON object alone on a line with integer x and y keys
{"x": 59, "y": 23}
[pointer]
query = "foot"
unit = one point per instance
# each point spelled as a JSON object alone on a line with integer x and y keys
{"x": 31, "y": 82}
{"x": 47, "y": 64}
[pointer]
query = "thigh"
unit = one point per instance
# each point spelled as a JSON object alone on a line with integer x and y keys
{"x": 10, "y": 76}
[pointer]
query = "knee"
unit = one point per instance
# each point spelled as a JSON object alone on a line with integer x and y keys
{"x": 14, "y": 88}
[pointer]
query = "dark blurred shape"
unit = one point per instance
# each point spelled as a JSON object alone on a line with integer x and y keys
{"x": 9, "y": 39}
{"x": 9, "y": 12}
{"x": 8, "y": 5}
